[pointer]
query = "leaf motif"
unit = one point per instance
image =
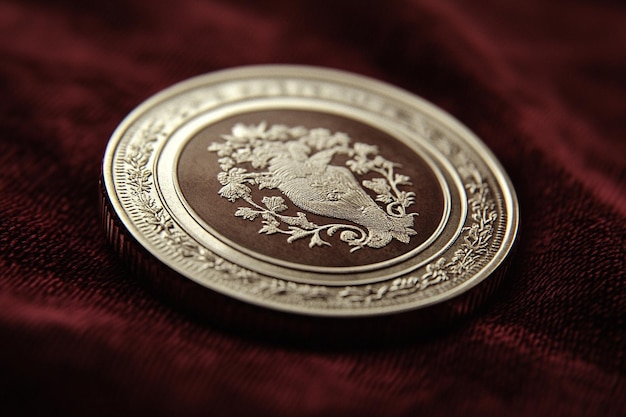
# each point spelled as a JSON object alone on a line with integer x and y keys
{"x": 269, "y": 216}
{"x": 379, "y": 161}
{"x": 275, "y": 204}
{"x": 319, "y": 138}
{"x": 341, "y": 138}
{"x": 365, "y": 149}
{"x": 270, "y": 227}
{"x": 296, "y": 233}
{"x": 400, "y": 179}
{"x": 236, "y": 174}
{"x": 278, "y": 132}
{"x": 359, "y": 165}
{"x": 222, "y": 177}
{"x": 242, "y": 132}
{"x": 242, "y": 154}
{"x": 378, "y": 185}
{"x": 234, "y": 191}
{"x": 406, "y": 199}
{"x": 260, "y": 160}
{"x": 226, "y": 163}
{"x": 384, "y": 198}
{"x": 268, "y": 182}
{"x": 222, "y": 149}
{"x": 215, "y": 146}
{"x": 298, "y": 131}
{"x": 247, "y": 213}
{"x": 300, "y": 221}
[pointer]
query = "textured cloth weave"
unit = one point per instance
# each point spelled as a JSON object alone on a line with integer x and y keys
{"x": 542, "y": 83}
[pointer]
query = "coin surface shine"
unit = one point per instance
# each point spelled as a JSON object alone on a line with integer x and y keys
{"x": 309, "y": 191}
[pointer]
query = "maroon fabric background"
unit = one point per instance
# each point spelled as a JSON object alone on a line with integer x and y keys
{"x": 543, "y": 83}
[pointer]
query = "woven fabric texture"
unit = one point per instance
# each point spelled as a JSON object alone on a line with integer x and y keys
{"x": 542, "y": 83}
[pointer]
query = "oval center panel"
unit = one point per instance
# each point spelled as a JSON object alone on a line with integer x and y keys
{"x": 310, "y": 188}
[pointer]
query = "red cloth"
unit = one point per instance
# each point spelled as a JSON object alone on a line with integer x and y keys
{"x": 543, "y": 83}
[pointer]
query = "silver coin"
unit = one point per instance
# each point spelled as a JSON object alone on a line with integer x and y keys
{"x": 307, "y": 191}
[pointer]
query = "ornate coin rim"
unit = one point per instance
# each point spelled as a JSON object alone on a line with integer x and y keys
{"x": 127, "y": 172}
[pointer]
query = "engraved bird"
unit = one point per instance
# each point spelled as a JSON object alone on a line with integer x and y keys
{"x": 314, "y": 185}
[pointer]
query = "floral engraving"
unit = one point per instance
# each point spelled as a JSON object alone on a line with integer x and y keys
{"x": 474, "y": 246}
{"x": 298, "y": 162}
{"x": 139, "y": 182}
